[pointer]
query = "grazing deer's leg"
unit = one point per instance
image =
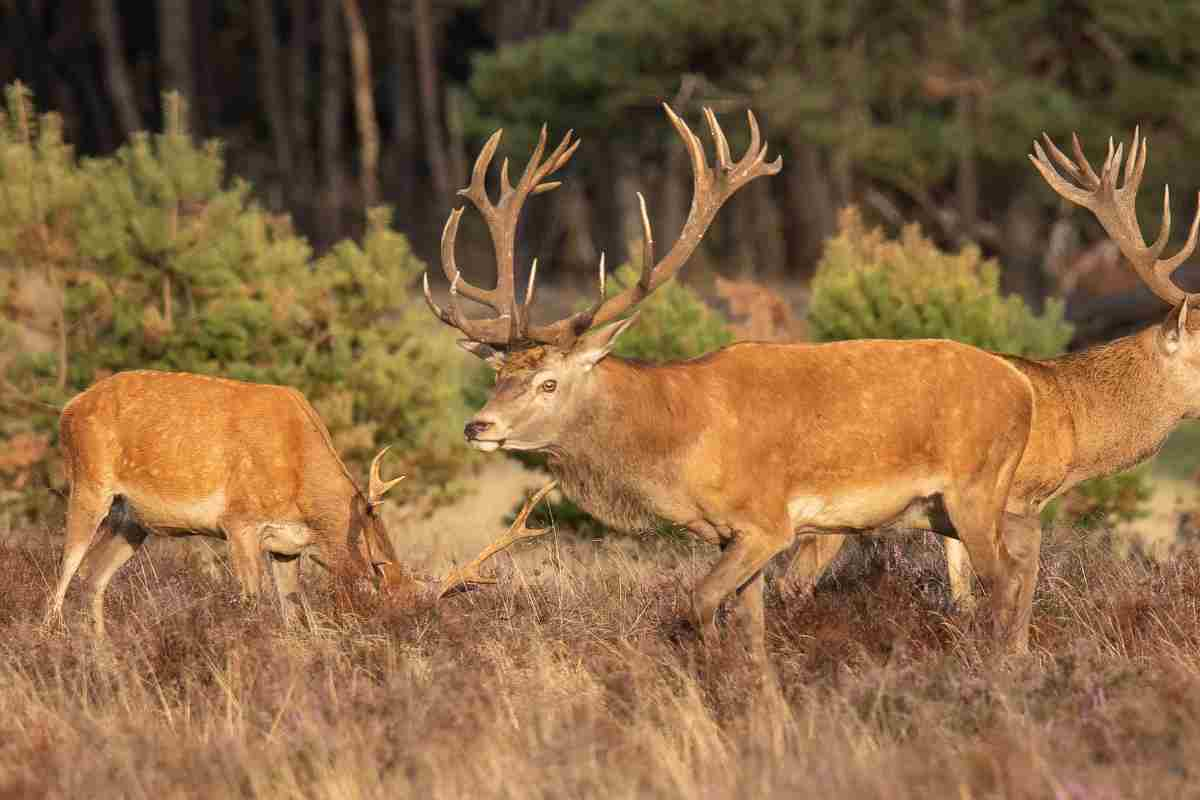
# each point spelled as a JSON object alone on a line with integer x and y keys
{"x": 958, "y": 568}
{"x": 1019, "y": 551}
{"x": 742, "y": 560}
{"x": 976, "y": 516}
{"x": 813, "y": 554}
{"x": 103, "y": 561}
{"x": 246, "y": 555}
{"x": 750, "y": 617}
{"x": 85, "y": 511}
{"x": 286, "y": 570}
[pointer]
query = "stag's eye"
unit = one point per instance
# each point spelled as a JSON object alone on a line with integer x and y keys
{"x": 549, "y": 386}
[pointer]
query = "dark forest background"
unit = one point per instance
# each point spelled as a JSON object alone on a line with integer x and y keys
{"x": 914, "y": 111}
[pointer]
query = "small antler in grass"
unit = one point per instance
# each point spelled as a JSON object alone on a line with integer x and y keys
{"x": 464, "y": 578}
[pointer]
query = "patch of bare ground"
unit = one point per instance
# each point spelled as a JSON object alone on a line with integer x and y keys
{"x": 576, "y": 678}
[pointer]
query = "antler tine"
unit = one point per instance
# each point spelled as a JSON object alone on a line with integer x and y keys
{"x": 647, "y": 246}
{"x": 722, "y": 144}
{"x": 501, "y": 217}
{"x": 1116, "y": 208}
{"x": 469, "y": 575}
{"x": 376, "y": 486}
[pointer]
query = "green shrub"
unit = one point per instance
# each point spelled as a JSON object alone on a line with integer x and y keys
{"x": 870, "y": 286}
{"x": 152, "y": 258}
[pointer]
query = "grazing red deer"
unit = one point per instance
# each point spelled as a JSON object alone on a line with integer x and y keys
{"x": 748, "y": 445}
{"x": 178, "y": 454}
{"x": 1104, "y": 409}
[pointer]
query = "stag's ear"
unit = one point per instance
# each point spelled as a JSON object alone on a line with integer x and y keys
{"x": 1175, "y": 327}
{"x": 494, "y": 358}
{"x": 597, "y": 344}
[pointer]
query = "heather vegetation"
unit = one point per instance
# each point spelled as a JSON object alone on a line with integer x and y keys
{"x": 575, "y": 676}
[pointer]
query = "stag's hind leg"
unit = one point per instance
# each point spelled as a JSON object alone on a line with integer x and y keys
{"x": 958, "y": 570}
{"x": 86, "y": 509}
{"x": 103, "y": 561}
{"x": 813, "y": 554}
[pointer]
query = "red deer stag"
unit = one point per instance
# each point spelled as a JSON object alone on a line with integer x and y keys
{"x": 177, "y": 454}
{"x": 1104, "y": 409}
{"x": 748, "y": 445}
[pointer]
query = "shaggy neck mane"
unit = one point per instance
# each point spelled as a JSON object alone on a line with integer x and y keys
{"x": 627, "y": 442}
{"x": 1121, "y": 403}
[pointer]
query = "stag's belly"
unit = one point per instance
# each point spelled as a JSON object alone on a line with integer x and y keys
{"x": 910, "y": 504}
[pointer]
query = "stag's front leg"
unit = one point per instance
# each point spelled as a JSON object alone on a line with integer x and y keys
{"x": 740, "y": 564}
{"x": 1020, "y": 548}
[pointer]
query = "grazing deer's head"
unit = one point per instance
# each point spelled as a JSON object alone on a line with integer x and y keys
{"x": 1178, "y": 338}
{"x": 544, "y": 371}
{"x": 370, "y": 536}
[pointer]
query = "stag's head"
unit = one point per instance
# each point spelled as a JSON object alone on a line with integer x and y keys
{"x": 544, "y": 371}
{"x": 1177, "y": 339}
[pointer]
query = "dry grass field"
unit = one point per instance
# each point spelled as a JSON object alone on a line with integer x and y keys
{"x": 577, "y": 677}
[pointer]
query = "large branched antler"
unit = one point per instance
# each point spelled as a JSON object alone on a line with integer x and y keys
{"x": 501, "y": 217}
{"x": 469, "y": 576}
{"x": 711, "y": 187}
{"x": 1116, "y": 207}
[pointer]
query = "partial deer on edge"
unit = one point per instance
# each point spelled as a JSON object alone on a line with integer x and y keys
{"x": 176, "y": 454}
{"x": 753, "y": 443}
{"x": 1104, "y": 409}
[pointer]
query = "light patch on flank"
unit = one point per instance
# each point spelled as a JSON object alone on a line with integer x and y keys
{"x": 285, "y": 538}
{"x": 486, "y": 447}
{"x": 866, "y": 507}
{"x": 200, "y": 514}
{"x": 804, "y": 508}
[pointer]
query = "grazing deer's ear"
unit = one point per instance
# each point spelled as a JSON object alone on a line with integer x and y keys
{"x": 597, "y": 344}
{"x": 494, "y": 358}
{"x": 1175, "y": 327}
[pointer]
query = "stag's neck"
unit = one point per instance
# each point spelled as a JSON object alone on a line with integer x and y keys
{"x": 1121, "y": 401}
{"x": 619, "y": 460}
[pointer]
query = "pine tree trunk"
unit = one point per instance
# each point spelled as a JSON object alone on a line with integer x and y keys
{"x": 333, "y": 90}
{"x": 966, "y": 180}
{"x": 364, "y": 103}
{"x": 175, "y": 48}
{"x": 270, "y": 84}
{"x": 400, "y": 156}
{"x": 120, "y": 84}
{"x": 425, "y": 36}
{"x": 808, "y": 198}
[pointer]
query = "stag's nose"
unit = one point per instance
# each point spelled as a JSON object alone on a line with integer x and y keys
{"x": 474, "y": 428}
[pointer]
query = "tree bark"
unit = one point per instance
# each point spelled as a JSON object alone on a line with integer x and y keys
{"x": 966, "y": 180}
{"x": 120, "y": 83}
{"x": 425, "y": 36}
{"x": 364, "y": 104}
{"x": 808, "y": 199}
{"x": 400, "y": 156}
{"x": 270, "y": 83}
{"x": 175, "y": 48}
{"x": 333, "y": 89}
